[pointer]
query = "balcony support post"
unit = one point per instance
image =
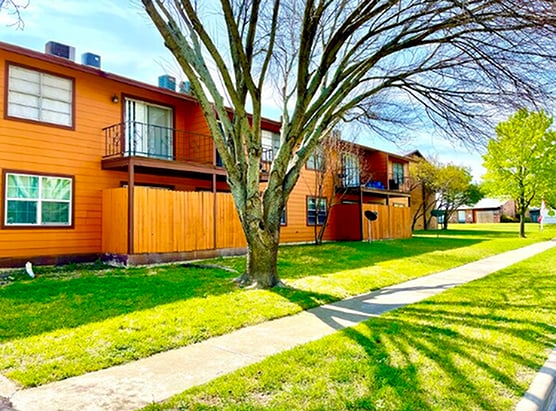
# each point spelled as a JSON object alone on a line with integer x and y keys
{"x": 130, "y": 206}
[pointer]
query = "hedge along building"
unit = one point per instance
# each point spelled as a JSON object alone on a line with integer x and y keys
{"x": 95, "y": 165}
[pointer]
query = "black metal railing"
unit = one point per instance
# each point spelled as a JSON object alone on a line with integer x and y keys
{"x": 375, "y": 181}
{"x": 133, "y": 138}
{"x": 388, "y": 182}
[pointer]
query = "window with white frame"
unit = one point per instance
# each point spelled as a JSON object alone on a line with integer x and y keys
{"x": 37, "y": 200}
{"x": 34, "y": 95}
{"x": 350, "y": 170}
{"x": 270, "y": 143}
{"x": 317, "y": 160}
{"x": 149, "y": 129}
{"x": 316, "y": 210}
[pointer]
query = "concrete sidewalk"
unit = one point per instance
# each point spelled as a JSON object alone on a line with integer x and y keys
{"x": 135, "y": 385}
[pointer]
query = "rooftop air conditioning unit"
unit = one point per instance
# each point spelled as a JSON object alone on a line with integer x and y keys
{"x": 168, "y": 82}
{"x": 90, "y": 59}
{"x": 185, "y": 87}
{"x": 60, "y": 50}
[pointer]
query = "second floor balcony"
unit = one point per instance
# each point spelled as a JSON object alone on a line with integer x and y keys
{"x": 163, "y": 148}
{"x": 376, "y": 182}
{"x": 159, "y": 147}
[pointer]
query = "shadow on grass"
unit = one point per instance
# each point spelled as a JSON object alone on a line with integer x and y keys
{"x": 466, "y": 349}
{"x": 300, "y": 261}
{"x": 65, "y": 300}
{"x": 62, "y": 298}
{"x": 475, "y": 372}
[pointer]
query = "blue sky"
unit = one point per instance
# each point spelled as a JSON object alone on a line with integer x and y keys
{"x": 121, "y": 33}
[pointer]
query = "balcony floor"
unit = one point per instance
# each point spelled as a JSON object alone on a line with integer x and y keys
{"x": 161, "y": 167}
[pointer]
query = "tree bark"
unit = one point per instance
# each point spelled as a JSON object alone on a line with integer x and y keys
{"x": 262, "y": 257}
{"x": 522, "y": 224}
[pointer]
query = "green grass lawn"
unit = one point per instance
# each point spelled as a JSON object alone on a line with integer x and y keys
{"x": 74, "y": 320}
{"x": 475, "y": 347}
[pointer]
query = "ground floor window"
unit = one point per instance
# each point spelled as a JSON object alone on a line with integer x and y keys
{"x": 283, "y": 217}
{"x": 37, "y": 200}
{"x": 316, "y": 210}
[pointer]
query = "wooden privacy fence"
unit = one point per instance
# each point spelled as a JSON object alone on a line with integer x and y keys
{"x": 170, "y": 221}
{"x": 167, "y": 221}
{"x": 392, "y": 222}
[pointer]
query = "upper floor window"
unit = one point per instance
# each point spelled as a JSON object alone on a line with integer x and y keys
{"x": 149, "y": 131}
{"x": 270, "y": 143}
{"x": 350, "y": 170}
{"x": 317, "y": 160}
{"x": 397, "y": 172}
{"x": 38, "y": 96}
{"x": 36, "y": 200}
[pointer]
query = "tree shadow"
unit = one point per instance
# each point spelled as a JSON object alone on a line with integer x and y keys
{"x": 475, "y": 344}
{"x": 301, "y": 261}
{"x": 68, "y": 297}
{"x": 66, "y": 300}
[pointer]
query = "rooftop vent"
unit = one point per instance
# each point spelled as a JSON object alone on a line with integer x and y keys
{"x": 167, "y": 81}
{"x": 90, "y": 59}
{"x": 60, "y": 50}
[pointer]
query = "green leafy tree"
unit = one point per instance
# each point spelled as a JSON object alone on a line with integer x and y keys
{"x": 521, "y": 161}
{"x": 328, "y": 61}
{"x": 423, "y": 178}
{"x": 454, "y": 188}
{"x": 451, "y": 185}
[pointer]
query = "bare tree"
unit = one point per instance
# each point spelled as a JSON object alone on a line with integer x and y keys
{"x": 14, "y": 8}
{"x": 327, "y": 161}
{"x": 424, "y": 178}
{"x": 333, "y": 60}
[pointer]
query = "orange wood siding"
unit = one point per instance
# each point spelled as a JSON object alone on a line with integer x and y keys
{"x": 297, "y": 229}
{"x": 164, "y": 220}
{"x": 43, "y": 148}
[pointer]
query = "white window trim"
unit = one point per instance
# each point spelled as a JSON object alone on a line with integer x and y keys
{"x": 39, "y": 201}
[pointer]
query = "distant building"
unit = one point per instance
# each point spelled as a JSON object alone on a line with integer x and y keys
{"x": 487, "y": 210}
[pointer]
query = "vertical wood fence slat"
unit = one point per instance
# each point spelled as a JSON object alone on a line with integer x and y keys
{"x": 114, "y": 220}
{"x": 229, "y": 233}
{"x": 173, "y": 221}
{"x": 392, "y": 222}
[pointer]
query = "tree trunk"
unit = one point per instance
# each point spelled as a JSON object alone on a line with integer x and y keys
{"x": 522, "y": 224}
{"x": 262, "y": 257}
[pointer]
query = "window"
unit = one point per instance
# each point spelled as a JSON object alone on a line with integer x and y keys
{"x": 317, "y": 160}
{"x": 37, "y": 200}
{"x": 316, "y": 210}
{"x": 149, "y": 130}
{"x": 38, "y": 96}
{"x": 283, "y": 217}
{"x": 397, "y": 173}
{"x": 271, "y": 143}
{"x": 350, "y": 170}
